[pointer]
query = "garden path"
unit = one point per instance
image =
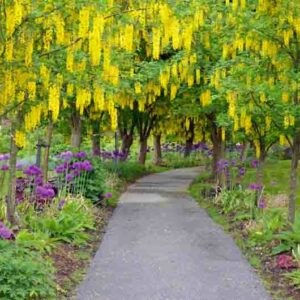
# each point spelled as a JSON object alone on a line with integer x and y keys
{"x": 160, "y": 245}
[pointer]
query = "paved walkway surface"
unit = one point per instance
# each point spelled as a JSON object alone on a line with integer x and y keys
{"x": 160, "y": 245}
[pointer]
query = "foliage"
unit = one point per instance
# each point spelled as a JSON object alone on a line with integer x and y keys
{"x": 289, "y": 239}
{"x": 127, "y": 171}
{"x": 24, "y": 274}
{"x": 267, "y": 225}
{"x": 294, "y": 276}
{"x": 95, "y": 186}
{"x": 39, "y": 241}
{"x": 237, "y": 200}
{"x": 66, "y": 222}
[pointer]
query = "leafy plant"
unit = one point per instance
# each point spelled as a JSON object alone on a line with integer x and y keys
{"x": 271, "y": 222}
{"x": 24, "y": 274}
{"x": 39, "y": 241}
{"x": 294, "y": 277}
{"x": 68, "y": 224}
{"x": 289, "y": 239}
{"x": 296, "y": 255}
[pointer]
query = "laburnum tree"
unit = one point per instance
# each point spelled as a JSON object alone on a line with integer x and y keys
{"x": 267, "y": 37}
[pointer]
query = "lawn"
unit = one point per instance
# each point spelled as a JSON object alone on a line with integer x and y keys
{"x": 276, "y": 177}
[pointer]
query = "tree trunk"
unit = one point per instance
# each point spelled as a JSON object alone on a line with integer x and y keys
{"x": 143, "y": 151}
{"x": 48, "y": 141}
{"x": 127, "y": 141}
{"x": 189, "y": 140}
{"x": 260, "y": 167}
{"x": 218, "y": 152}
{"x": 76, "y": 125}
{"x": 157, "y": 159}
{"x": 11, "y": 197}
{"x": 244, "y": 152}
{"x": 293, "y": 178}
{"x": 96, "y": 149}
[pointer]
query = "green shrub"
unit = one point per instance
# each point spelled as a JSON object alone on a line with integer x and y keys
{"x": 95, "y": 184}
{"x": 127, "y": 171}
{"x": 271, "y": 222}
{"x": 24, "y": 274}
{"x": 39, "y": 241}
{"x": 238, "y": 201}
{"x": 68, "y": 224}
{"x": 289, "y": 239}
{"x": 294, "y": 277}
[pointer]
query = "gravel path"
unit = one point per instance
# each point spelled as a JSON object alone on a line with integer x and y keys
{"x": 160, "y": 245}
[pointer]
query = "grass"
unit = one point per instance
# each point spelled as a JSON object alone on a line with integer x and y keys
{"x": 276, "y": 177}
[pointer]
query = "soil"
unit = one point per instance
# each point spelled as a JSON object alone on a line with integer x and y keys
{"x": 71, "y": 262}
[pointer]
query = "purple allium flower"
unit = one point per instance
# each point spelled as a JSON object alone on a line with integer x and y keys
{"x": 38, "y": 181}
{"x": 66, "y": 156}
{"x": 81, "y": 155}
{"x": 255, "y": 163}
{"x": 255, "y": 187}
{"x": 108, "y": 195}
{"x": 60, "y": 169}
{"x": 262, "y": 204}
{"x": 87, "y": 166}
{"x": 239, "y": 147}
{"x": 33, "y": 171}
{"x": 4, "y": 168}
{"x": 61, "y": 204}
{"x": 45, "y": 191}
{"x": 76, "y": 172}
{"x": 242, "y": 171}
{"x": 19, "y": 166}
{"x": 69, "y": 177}
{"x": 4, "y": 157}
{"x": 5, "y": 233}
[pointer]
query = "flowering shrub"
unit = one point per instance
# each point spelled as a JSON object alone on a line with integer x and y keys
{"x": 5, "y": 233}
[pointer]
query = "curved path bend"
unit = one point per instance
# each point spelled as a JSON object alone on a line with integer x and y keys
{"x": 160, "y": 245}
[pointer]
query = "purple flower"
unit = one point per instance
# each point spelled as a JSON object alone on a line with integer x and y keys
{"x": 5, "y": 233}
{"x": 81, "y": 155}
{"x": 61, "y": 204}
{"x": 239, "y": 147}
{"x": 262, "y": 204}
{"x": 255, "y": 163}
{"x": 38, "y": 181}
{"x": 87, "y": 166}
{"x": 69, "y": 177}
{"x": 19, "y": 166}
{"x": 45, "y": 191}
{"x": 4, "y": 168}
{"x": 33, "y": 171}
{"x": 76, "y": 172}
{"x": 60, "y": 169}
{"x": 108, "y": 195}
{"x": 255, "y": 187}
{"x": 242, "y": 171}
{"x": 66, "y": 156}
{"x": 4, "y": 157}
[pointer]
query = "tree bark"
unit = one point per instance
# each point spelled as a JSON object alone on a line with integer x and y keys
{"x": 127, "y": 141}
{"x": 260, "y": 167}
{"x": 157, "y": 159}
{"x": 11, "y": 197}
{"x": 189, "y": 140}
{"x": 143, "y": 151}
{"x": 48, "y": 141}
{"x": 96, "y": 139}
{"x": 76, "y": 126}
{"x": 294, "y": 178}
{"x": 218, "y": 152}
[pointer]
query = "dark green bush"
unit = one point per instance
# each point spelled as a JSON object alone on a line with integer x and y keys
{"x": 95, "y": 185}
{"x": 127, "y": 171}
{"x": 24, "y": 274}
